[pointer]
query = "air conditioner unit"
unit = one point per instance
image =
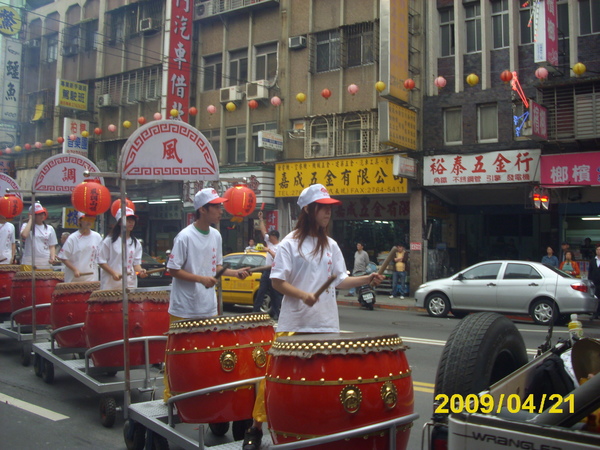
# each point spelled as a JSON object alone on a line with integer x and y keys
{"x": 145, "y": 24}
{"x": 297, "y": 42}
{"x": 319, "y": 147}
{"x": 203, "y": 9}
{"x": 34, "y": 43}
{"x": 257, "y": 90}
{"x": 230, "y": 94}
{"x": 103, "y": 101}
{"x": 70, "y": 50}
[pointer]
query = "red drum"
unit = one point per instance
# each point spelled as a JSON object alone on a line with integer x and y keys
{"x": 20, "y": 294}
{"x": 7, "y": 272}
{"x": 319, "y": 384}
{"x": 68, "y": 308}
{"x": 207, "y": 352}
{"x": 148, "y": 316}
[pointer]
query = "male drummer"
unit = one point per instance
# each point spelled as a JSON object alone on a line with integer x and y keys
{"x": 8, "y": 248}
{"x": 79, "y": 253}
{"x": 195, "y": 259}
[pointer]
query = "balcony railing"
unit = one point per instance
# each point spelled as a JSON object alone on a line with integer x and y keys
{"x": 212, "y": 8}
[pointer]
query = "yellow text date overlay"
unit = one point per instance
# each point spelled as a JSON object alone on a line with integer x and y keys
{"x": 487, "y": 404}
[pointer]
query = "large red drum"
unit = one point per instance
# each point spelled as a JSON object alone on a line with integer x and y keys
{"x": 206, "y": 352}
{"x": 68, "y": 308}
{"x": 148, "y": 316}
{"x": 20, "y": 294}
{"x": 7, "y": 273}
{"x": 320, "y": 384}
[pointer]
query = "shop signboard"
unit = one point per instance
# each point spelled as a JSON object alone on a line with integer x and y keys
{"x": 506, "y": 166}
{"x": 74, "y": 141}
{"x": 572, "y": 169}
{"x": 70, "y": 94}
{"x": 546, "y": 31}
{"x": 178, "y": 64}
{"x": 61, "y": 173}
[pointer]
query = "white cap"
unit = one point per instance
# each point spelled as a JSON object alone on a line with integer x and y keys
{"x": 207, "y": 195}
{"x": 80, "y": 215}
{"x": 316, "y": 193}
{"x": 38, "y": 209}
{"x": 128, "y": 212}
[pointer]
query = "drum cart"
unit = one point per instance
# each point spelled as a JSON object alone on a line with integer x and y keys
{"x": 26, "y": 334}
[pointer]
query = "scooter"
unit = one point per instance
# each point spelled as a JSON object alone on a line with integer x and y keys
{"x": 366, "y": 294}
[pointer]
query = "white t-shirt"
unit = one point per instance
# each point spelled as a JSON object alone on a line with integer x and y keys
{"x": 45, "y": 236}
{"x": 7, "y": 239}
{"x": 199, "y": 254}
{"x": 81, "y": 251}
{"x": 308, "y": 273}
{"x": 110, "y": 253}
{"x": 274, "y": 247}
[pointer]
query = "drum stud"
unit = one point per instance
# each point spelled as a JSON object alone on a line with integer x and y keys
{"x": 302, "y": 379}
{"x": 288, "y": 378}
{"x": 360, "y": 379}
{"x": 340, "y": 380}
{"x": 322, "y": 380}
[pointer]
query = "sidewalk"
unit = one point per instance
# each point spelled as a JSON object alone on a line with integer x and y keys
{"x": 382, "y": 301}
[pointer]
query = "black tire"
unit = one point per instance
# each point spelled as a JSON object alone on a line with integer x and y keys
{"x": 544, "y": 311}
{"x": 482, "y": 349}
{"x": 219, "y": 429}
{"x": 135, "y": 438}
{"x": 47, "y": 371}
{"x": 108, "y": 411}
{"x": 111, "y": 373}
{"x": 158, "y": 442}
{"x": 460, "y": 314}
{"x": 266, "y": 305}
{"x": 37, "y": 365}
{"x": 26, "y": 355}
{"x": 239, "y": 427}
{"x": 437, "y": 305}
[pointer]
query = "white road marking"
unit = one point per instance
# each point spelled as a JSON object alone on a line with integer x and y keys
{"x": 38, "y": 410}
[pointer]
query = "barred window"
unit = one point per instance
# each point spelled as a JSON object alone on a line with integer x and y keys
{"x": 328, "y": 48}
{"x": 213, "y": 72}
{"x": 360, "y": 44}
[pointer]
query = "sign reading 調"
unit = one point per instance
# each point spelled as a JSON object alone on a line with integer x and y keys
{"x": 352, "y": 176}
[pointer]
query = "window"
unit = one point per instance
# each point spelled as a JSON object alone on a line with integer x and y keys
{"x": 473, "y": 26}
{"x": 352, "y": 135}
{"x": 589, "y": 16}
{"x": 238, "y": 68}
{"x": 117, "y": 28}
{"x": 213, "y": 72}
{"x": 453, "y": 126}
{"x": 484, "y": 272}
{"x": 328, "y": 45}
{"x": 52, "y": 48}
{"x": 319, "y": 141}
{"x": 447, "y": 32}
{"x": 266, "y": 62}
{"x": 360, "y": 44}
{"x": 520, "y": 272}
{"x": 487, "y": 126}
{"x": 214, "y": 137}
{"x": 262, "y": 154}
{"x": 500, "y": 23}
{"x": 236, "y": 145}
{"x": 89, "y": 35}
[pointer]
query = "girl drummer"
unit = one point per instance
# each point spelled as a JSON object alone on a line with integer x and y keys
{"x": 44, "y": 236}
{"x": 109, "y": 258}
{"x": 305, "y": 259}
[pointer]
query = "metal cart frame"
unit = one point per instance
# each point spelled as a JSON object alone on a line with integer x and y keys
{"x": 25, "y": 334}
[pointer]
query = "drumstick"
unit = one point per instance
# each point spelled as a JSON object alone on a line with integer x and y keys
{"x": 2, "y": 260}
{"x": 325, "y": 285}
{"x": 148, "y": 272}
{"x": 387, "y": 261}
{"x": 259, "y": 269}
{"x": 85, "y": 274}
{"x": 220, "y": 272}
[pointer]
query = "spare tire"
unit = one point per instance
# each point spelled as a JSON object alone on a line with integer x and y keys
{"x": 482, "y": 349}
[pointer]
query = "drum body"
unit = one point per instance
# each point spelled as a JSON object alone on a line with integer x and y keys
{"x": 20, "y": 294}
{"x": 320, "y": 384}
{"x": 207, "y": 352}
{"x": 7, "y": 273}
{"x": 68, "y": 308}
{"x": 148, "y": 316}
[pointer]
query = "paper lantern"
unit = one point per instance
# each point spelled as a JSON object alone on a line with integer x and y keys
{"x": 211, "y": 109}
{"x": 252, "y": 104}
{"x": 27, "y": 146}
{"x": 10, "y": 206}
{"x": 7, "y": 150}
{"x": 72, "y": 137}
{"x": 506, "y": 76}
{"x": 174, "y": 113}
{"x": 301, "y": 97}
{"x": 85, "y": 133}
{"x": 409, "y": 84}
{"x": 157, "y": 116}
{"x": 242, "y": 201}
{"x": 541, "y": 73}
{"x": 275, "y": 101}
{"x": 440, "y": 82}
{"x": 141, "y": 120}
{"x": 579, "y": 69}
{"x": 117, "y": 206}
{"x": 126, "y": 124}
{"x": 60, "y": 139}
{"x": 38, "y": 144}
{"x": 193, "y": 111}
{"x": 230, "y": 107}
{"x": 380, "y": 86}
{"x": 326, "y": 93}
{"x": 472, "y": 79}
{"x": 98, "y": 131}
{"x": 49, "y": 142}
{"x": 18, "y": 148}
{"x": 352, "y": 89}
{"x": 91, "y": 198}
{"x": 112, "y": 128}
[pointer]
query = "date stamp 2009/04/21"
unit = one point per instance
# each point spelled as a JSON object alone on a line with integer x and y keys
{"x": 486, "y": 403}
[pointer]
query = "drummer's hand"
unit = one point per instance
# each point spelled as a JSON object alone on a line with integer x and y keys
{"x": 376, "y": 279}
{"x": 310, "y": 299}
{"x": 243, "y": 273}
{"x": 76, "y": 273}
{"x": 208, "y": 282}
{"x": 142, "y": 273}
{"x": 260, "y": 215}
{"x": 117, "y": 276}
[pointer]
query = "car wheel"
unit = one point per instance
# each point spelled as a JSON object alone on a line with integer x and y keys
{"x": 266, "y": 305}
{"x": 482, "y": 349}
{"x": 437, "y": 305}
{"x": 544, "y": 311}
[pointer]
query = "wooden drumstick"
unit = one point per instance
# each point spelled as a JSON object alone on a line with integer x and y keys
{"x": 387, "y": 261}
{"x": 220, "y": 272}
{"x": 259, "y": 269}
{"x": 85, "y": 274}
{"x": 2, "y": 260}
{"x": 148, "y": 272}
{"x": 325, "y": 285}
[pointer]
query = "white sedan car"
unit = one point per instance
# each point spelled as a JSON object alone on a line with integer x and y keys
{"x": 509, "y": 287}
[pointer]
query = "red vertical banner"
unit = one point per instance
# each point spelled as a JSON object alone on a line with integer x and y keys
{"x": 551, "y": 32}
{"x": 180, "y": 57}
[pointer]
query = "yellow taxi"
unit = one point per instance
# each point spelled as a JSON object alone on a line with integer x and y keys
{"x": 243, "y": 292}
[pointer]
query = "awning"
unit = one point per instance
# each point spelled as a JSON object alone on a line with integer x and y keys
{"x": 39, "y": 112}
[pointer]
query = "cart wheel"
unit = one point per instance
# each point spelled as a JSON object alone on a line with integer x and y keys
{"x": 157, "y": 442}
{"x": 108, "y": 411}
{"x": 135, "y": 435}
{"x": 37, "y": 365}
{"x": 111, "y": 373}
{"x": 47, "y": 371}
{"x": 239, "y": 427}
{"x": 26, "y": 355}
{"x": 219, "y": 429}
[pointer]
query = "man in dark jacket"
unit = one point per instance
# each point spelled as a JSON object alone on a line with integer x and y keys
{"x": 594, "y": 275}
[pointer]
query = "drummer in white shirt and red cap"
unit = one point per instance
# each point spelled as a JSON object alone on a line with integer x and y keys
{"x": 45, "y": 239}
{"x": 80, "y": 251}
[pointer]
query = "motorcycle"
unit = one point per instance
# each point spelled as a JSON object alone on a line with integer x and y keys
{"x": 366, "y": 294}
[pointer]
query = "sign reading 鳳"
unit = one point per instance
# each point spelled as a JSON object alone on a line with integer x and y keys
{"x": 73, "y": 128}
{"x": 179, "y": 61}
{"x": 10, "y": 60}
{"x": 352, "y": 176}
{"x": 546, "y": 29}
{"x": 10, "y": 21}
{"x": 572, "y": 169}
{"x": 393, "y": 48}
{"x": 508, "y": 166}
{"x": 397, "y": 126}
{"x": 71, "y": 94}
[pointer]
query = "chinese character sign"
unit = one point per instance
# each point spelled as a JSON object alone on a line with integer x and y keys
{"x": 71, "y": 94}
{"x": 72, "y": 128}
{"x": 10, "y": 21}
{"x": 573, "y": 169}
{"x": 10, "y": 60}
{"x": 546, "y": 30}
{"x": 61, "y": 173}
{"x": 509, "y": 166}
{"x": 180, "y": 56}
{"x": 539, "y": 121}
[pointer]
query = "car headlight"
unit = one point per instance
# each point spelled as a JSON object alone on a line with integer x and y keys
{"x": 423, "y": 286}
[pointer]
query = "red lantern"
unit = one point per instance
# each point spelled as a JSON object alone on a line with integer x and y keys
{"x": 98, "y": 131}
{"x": 10, "y": 206}
{"x": 541, "y": 73}
{"x": 91, "y": 198}
{"x": 242, "y": 200}
{"x": 506, "y": 76}
{"x": 409, "y": 84}
{"x": 141, "y": 120}
{"x": 193, "y": 111}
{"x": 326, "y": 93}
{"x": 117, "y": 206}
{"x": 252, "y": 104}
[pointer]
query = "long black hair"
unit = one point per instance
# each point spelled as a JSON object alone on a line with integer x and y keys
{"x": 116, "y": 232}
{"x": 307, "y": 226}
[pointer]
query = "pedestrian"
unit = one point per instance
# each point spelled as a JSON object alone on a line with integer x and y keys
{"x": 8, "y": 247}
{"x": 305, "y": 259}
{"x": 564, "y": 248}
{"x": 587, "y": 249}
{"x": 45, "y": 240}
{"x": 361, "y": 261}
{"x": 399, "y": 275}
{"x": 110, "y": 255}
{"x": 550, "y": 259}
{"x": 266, "y": 287}
{"x": 251, "y": 246}
{"x": 569, "y": 265}
{"x": 196, "y": 257}
{"x": 79, "y": 253}
{"x": 594, "y": 275}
